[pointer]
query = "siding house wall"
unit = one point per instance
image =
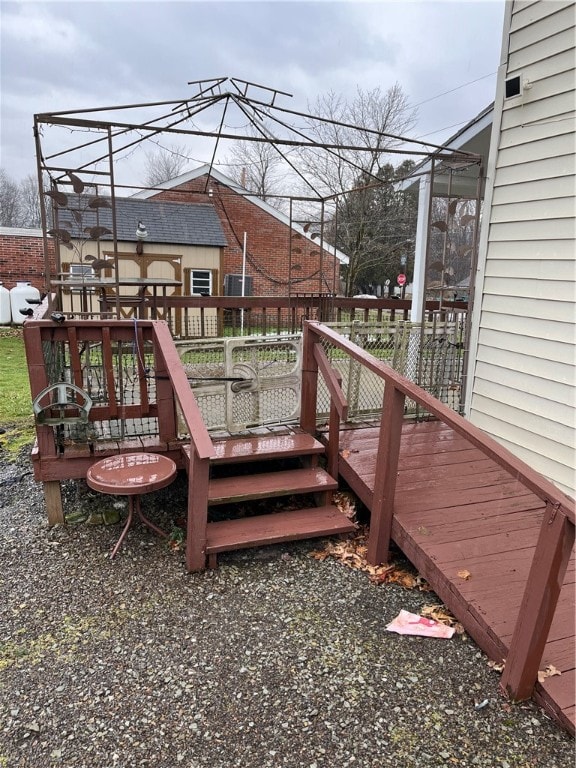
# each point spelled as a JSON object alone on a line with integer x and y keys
{"x": 523, "y": 351}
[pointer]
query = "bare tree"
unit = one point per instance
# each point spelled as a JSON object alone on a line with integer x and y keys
{"x": 10, "y": 203}
{"x": 363, "y": 128}
{"x": 30, "y": 202}
{"x": 257, "y": 166}
{"x": 373, "y": 220}
{"x": 164, "y": 164}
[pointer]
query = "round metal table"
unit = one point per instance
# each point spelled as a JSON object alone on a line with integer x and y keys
{"x": 132, "y": 474}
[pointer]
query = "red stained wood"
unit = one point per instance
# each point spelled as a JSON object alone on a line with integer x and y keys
{"x": 382, "y": 508}
{"x": 264, "y": 447}
{"x": 270, "y": 484}
{"x": 245, "y": 532}
{"x": 539, "y": 604}
{"x": 457, "y": 509}
{"x": 198, "y": 480}
{"x": 108, "y": 364}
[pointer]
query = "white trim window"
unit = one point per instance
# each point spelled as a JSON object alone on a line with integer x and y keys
{"x": 201, "y": 281}
{"x": 83, "y": 272}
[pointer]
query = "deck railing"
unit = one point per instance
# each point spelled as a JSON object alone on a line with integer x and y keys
{"x": 191, "y": 317}
{"x": 174, "y": 387}
{"x": 131, "y": 373}
{"x": 557, "y": 532}
{"x": 201, "y": 316}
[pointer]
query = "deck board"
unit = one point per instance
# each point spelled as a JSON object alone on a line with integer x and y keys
{"x": 457, "y": 510}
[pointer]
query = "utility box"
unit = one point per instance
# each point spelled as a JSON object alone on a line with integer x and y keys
{"x": 233, "y": 285}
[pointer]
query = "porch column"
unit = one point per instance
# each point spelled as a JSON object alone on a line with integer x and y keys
{"x": 417, "y": 309}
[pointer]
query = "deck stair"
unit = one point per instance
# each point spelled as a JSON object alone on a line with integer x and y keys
{"x": 256, "y": 467}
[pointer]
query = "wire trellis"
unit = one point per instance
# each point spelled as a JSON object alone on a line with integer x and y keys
{"x": 127, "y": 360}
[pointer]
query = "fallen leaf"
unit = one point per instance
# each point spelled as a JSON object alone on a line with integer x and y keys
{"x": 353, "y": 551}
{"x": 497, "y": 666}
{"x": 442, "y": 615}
{"x": 346, "y": 504}
{"x": 550, "y": 671}
{"x": 464, "y": 575}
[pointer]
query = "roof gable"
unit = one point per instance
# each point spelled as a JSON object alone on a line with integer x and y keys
{"x": 206, "y": 169}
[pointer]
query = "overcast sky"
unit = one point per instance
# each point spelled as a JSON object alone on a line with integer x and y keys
{"x": 72, "y": 55}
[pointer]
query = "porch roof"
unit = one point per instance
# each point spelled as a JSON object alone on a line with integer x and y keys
{"x": 474, "y": 137}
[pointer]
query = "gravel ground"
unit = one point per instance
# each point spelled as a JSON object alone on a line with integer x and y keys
{"x": 273, "y": 659}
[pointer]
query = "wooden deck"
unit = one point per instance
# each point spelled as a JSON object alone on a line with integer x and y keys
{"x": 452, "y": 497}
{"x": 457, "y": 510}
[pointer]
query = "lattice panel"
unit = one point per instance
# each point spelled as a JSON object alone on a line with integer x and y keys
{"x": 244, "y": 381}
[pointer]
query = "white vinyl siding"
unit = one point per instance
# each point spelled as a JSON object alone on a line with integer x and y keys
{"x": 522, "y": 386}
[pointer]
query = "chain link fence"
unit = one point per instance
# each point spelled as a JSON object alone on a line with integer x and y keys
{"x": 429, "y": 354}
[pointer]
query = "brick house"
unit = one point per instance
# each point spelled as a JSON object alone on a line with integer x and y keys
{"x": 281, "y": 258}
{"x": 22, "y": 257}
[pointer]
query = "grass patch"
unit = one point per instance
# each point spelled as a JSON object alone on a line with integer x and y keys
{"x": 15, "y": 400}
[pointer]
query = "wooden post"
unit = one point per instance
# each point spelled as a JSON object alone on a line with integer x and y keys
{"x": 198, "y": 479}
{"x": 44, "y": 433}
{"x": 385, "y": 482}
{"x": 53, "y": 499}
{"x": 338, "y": 406}
{"x": 543, "y": 587}
{"x": 165, "y": 357}
{"x": 309, "y": 394}
{"x": 333, "y": 447}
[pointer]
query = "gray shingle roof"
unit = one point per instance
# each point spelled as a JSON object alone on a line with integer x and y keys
{"x": 175, "y": 223}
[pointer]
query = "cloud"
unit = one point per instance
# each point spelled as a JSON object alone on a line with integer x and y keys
{"x": 76, "y": 55}
{"x": 32, "y": 25}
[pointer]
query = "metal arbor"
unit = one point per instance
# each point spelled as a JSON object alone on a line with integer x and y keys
{"x": 90, "y": 151}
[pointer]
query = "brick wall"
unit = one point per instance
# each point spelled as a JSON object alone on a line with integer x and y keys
{"x": 22, "y": 257}
{"x": 268, "y": 262}
{"x": 267, "y": 240}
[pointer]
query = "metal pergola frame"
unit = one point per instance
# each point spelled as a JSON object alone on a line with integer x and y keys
{"x": 255, "y": 103}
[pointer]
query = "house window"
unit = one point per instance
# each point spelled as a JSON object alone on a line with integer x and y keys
{"x": 83, "y": 272}
{"x": 201, "y": 281}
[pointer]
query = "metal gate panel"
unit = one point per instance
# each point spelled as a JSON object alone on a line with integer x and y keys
{"x": 246, "y": 381}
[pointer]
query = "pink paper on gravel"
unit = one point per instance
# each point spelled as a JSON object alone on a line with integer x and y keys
{"x": 410, "y": 624}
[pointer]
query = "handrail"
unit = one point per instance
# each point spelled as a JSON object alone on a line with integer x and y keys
{"x": 201, "y": 446}
{"x": 557, "y": 532}
{"x": 290, "y": 303}
{"x": 539, "y": 485}
{"x": 199, "y": 435}
{"x": 338, "y": 408}
{"x": 332, "y": 382}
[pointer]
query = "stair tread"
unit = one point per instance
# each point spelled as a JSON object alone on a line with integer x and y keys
{"x": 312, "y": 522}
{"x": 261, "y": 447}
{"x": 269, "y": 484}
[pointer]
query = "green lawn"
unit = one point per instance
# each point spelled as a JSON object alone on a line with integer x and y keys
{"x": 15, "y": 401}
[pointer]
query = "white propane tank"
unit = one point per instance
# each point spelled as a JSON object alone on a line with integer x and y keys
{"x": 5, "y": 311}
{"x": 19, "y": 296}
